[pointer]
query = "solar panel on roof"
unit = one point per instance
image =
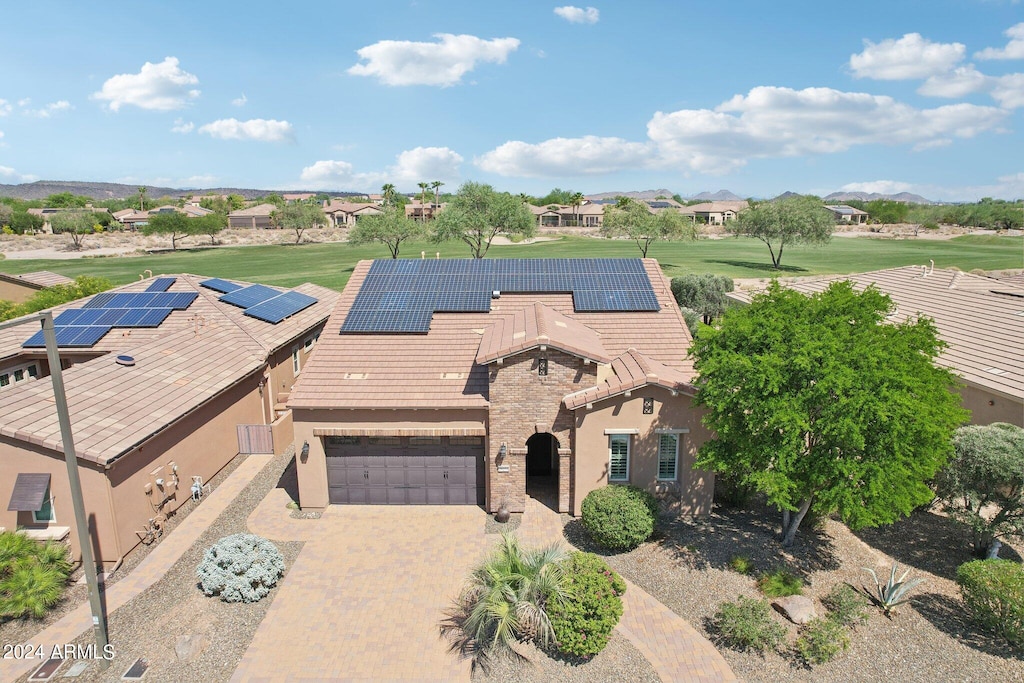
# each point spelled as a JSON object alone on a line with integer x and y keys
{"x": 133, "y": 316}
{"x": 280, "y": 307}
{"x": 130, "y": 300}
{"x": 161, "y": 284}
{"x": 67, "y": 317}
{"x": 176, "y": 300}
{"x": 219, "y": 285}
{"x": 100, "y": 300}
{"x": 249, "y": 296}
{"x": 80, "y": 337}
{"x": 111, "y": 316}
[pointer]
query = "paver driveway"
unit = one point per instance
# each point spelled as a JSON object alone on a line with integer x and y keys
{"x": 364, "y": 599}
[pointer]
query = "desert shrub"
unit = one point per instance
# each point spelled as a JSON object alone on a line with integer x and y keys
{"x": 780, "y": 583}
{"x": 993, "y": 591}
{"x": 741, "y": 564}
{"x": 240, "y": 568}
{"x": 894, "y": 592}
{"x": 747, "y": 624}
{"x": 33, "y": 576}
{"x": 821, "y": 640}
{"x": 846, "y": 605}
{"x": 619, "y": 517}
{"x": 692, "y": 319}
{"x": 583, "y": 620}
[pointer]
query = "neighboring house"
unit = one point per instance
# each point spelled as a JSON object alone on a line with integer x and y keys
{"x": 45, "y": 214}
{"x": 195, "y": 211}
{"x": 662, "y": 204}
{"x": 848, "y": 214}
{"x": 144, "y": 426}
{"x": 715, "y": 213}
{"x": 195, "y": 200}
{"x": 557, "y": 216}
{"x": 298, "y": 196}
{"x": 981, "y": 320}
{"x": 476, "y": 381}
{"x": 254, "y": 217}
{"x": 422, "y": 212}
{"x": 132, "y": 219}
{"x": 21, "y": 288}
{"x": 345, "y": 214}
{"x": 546, "y": 216}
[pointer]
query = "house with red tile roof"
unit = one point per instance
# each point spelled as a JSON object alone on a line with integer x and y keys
{"x": 477, "y": 381}
{"x": 345, "y": 214}
{"x": 157, "y": 398}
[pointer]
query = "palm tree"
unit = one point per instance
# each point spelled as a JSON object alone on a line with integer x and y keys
{"x": 437, "y": 192}
{"x": 423, "y": 199}
{"x": 142, "y": 198}
{"x": 388, "y": 193}
{"x": 577, "y": 201}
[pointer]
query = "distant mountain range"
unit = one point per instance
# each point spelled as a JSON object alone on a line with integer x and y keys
{"x": 905, "y": 197}
{"x": 720, "y": 196}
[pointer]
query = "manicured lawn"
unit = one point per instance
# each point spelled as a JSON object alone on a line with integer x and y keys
{"x": 331, "y": 264}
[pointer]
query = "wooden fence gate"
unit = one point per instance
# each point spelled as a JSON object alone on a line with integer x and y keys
{"x": 255, "y": 439}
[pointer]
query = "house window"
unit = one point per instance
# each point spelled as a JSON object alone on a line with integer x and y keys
{"x": 5, "y": 380}
{"x": 295, "y": 362}
{"x": 33, "y": 371}
{"x": 668, "y": 457}
{"x": 542, "y": 367}
{"x": 45, "y": 515}
{"x": 308, "y": 346}
{"x": 19, "y": 374}
{"x": 618, "y": 459}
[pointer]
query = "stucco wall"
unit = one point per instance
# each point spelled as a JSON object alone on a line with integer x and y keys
{"x": 19, "y": 294}
{"x": 1002, "y": 409}
{"x": 694, "y": 488}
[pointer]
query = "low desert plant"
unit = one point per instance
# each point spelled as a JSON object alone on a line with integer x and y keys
{"x": 894, "y": 592}
{"x": 240, "y": 568}
{"x": 993, "y": 591}
{"x": 619, "y": 517}
{"x": 583, "y": 620}
{"x": 741, "y": 564}
{"x": 780, "y": 583}
{"x": 33, "y": 576}
{"x": 747, "y": 624}
{"x": 821, "y": 640}
{"x": 846, "y": 605}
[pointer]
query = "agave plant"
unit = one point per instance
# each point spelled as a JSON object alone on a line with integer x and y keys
{"x": 894, "y": 592}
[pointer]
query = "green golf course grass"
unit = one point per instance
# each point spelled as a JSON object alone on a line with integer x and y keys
{"x": 331, "y": 264}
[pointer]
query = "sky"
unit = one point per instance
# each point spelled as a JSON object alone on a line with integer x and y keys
{"x": 758, "y": 98}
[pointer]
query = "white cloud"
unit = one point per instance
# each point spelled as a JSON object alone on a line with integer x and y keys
{"x": 183, "y": 127}
{"x": 197, "y": 181}
{"x": 444, "y": 63}
{"x": 240, "y": 101}
{"x": 578, "y": 15}
{"x": 909, "y": 57}
{"x": 957, "y": 83}
{"x": 163, "y": 87}
{"x": 1004, "y": 187}
{"x": 587, "y": 155}
{"x": 50, "y": 109}
{"x": 24, "y": 102}
{"x": 5, "y": 107}
{"x": 263, "y": 130}
{"x": 6, "y": 171}
{"x": 878, "y": 186}
{"x": 1008, "y": 91}
{"x": 1013, "y": 50}
{"x": 410, "y": 167}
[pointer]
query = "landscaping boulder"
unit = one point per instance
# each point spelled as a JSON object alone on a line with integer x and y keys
{"x": 797, "y": 608}
{"x": 189, "y": 646}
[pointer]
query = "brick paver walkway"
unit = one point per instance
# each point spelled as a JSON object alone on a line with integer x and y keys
{"x": 148, "y": 572}
{"x": 364, "y": 599}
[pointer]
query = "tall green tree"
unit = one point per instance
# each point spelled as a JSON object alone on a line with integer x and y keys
{"x": 389, "y": 194}
{"x": 704, "y": 293}
{"x": 5, "y": 215}
{"x": 23, "y": 222}
{"x": 982, "y": 486}
{"x": 436, "y": 186}
{"x": 781, "y": 222}
{"x": 576, "y": 203}
{"x": 74, "y": 224}
{"x": 299, "y": 217}
{"x": 175, "y": 225}
{"x": 67, "y": 200}
{"x": 634, "y": 220}
{"x": 142, "y": 198}
{"x": 820, "y": 404}
{"x": 210, "y": 225}
{"x": 390, "y": 228}
{"x": 477, "y": 214}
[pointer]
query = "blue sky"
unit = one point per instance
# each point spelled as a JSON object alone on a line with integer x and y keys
{"x": 758, "y": 98}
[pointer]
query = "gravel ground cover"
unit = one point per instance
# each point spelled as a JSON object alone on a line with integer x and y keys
{"x": 149, "y": 625}
{"x": 686, "y": 567}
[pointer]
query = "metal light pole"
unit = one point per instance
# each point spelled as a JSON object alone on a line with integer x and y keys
{"x": 99, "y": 625}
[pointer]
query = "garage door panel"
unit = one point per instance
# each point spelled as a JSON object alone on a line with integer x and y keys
{"x": 435, "y": 495}
{"x": 398, "y": 496}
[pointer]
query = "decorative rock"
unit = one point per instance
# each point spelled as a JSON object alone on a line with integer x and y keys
{"x": 796, "y": 608}
{"x": 189, "y": 646}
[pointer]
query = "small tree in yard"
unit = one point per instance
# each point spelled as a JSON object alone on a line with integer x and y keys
{"x": 819, "y": 403}
{"x": 210, "y": 225}
{"x": 477, "y": 214}
{"x": 634, "y": 220}
{"x": 778, "y": 223}
{"x": 703, "y": 293}
{"x": 74, "y": 224}
{"x": 175, "y": 225}
{"x": 982, "y": 486}
{"x": 300, "y": 217}
{"x": 391, "y": 227}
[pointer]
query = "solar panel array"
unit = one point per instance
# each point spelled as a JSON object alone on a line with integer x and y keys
{"x": 83, "y": 327}
{"x": 259, "y": 301}
{"x": 219, "y": 285}
{"x": 161, "y": 284}
{"x": 403, "y": 295}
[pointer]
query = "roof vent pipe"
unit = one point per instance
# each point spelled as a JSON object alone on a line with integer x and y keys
{"x": 932, "y": 269}
{"x": 127, "y": 361}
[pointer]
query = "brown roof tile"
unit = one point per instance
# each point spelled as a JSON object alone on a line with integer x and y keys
{"x": 535, "y": 326}
{"x": 39, "y": 278}
{"x": 631, "y": 370}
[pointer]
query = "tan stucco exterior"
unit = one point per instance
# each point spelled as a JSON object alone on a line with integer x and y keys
{"x": 18, "y": 293}
{"x": 987, "y": 406}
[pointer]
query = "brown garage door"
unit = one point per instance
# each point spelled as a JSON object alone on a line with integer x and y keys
{"x": 393, "y": 470}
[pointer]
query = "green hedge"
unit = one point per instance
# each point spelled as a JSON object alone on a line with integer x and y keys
{"x": 620, "y": 517}
{"x": 583, "y": 622}
{"x": 993, "y": 591}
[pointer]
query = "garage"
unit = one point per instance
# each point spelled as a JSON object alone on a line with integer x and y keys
{"x": 401, "y": 470}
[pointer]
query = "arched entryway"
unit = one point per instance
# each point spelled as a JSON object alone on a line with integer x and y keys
{"x": 542, "y": 469}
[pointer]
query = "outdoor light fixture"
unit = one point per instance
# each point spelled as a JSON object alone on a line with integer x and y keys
{"x": 502, "y": 450}
{"x": 304, "y": 453}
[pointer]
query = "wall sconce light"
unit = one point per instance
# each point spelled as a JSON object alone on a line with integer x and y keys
{"x": 304, "y": 453}
{"x": 502, "y": 450}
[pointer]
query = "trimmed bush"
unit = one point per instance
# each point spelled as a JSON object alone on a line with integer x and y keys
{"x": 584, "y": 619}
{"x": 993, "y": 591}
{"x": 619, "y": 517}
{"x": 846, "y": 605}
{"x": 780, "y": 583}
{"x": 747, "y": 624}
{"x": 821, "y": 640}
{"x": 240, "y": 568}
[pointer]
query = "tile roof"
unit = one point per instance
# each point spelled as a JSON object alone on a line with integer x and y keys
{"x": 439, "y": 369}
{"x": 350, "y": 207}
{"x": 258, "y": 210}
{"x": 39, "y": 278}
{"x": 984, "y": 329}
{"x": 535, "y": 326}
{"x": 716, "y": 207}
{"x": 631, "y": 370}
{"x": 193, "y": 356}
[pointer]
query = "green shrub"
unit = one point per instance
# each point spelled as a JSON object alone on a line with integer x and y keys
{"x": 747, "y": 624}
{"x": 846, "y": 605}
{"x": 583, "y": 620}
{"x": 780, "y": 583}
{"x": 33, "y": 576}
{"x": 821, "y": 640}
{"x": 619, "y": 517}
{"x": 240, "y": 568}
{"x": 993, "y": 591}
{"x": 894, "y": 592}
{"x": 741, "y": 564}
